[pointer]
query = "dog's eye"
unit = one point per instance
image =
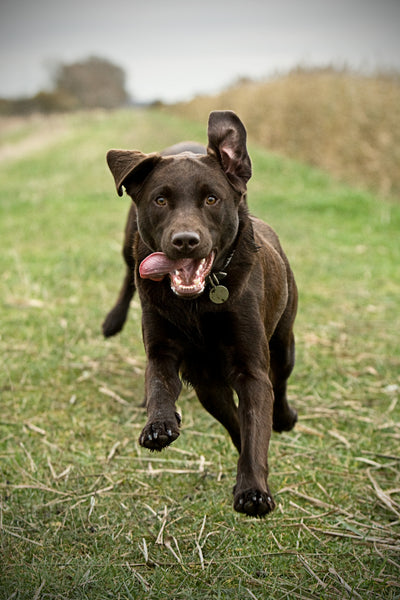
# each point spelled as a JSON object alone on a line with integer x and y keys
{"x": 211, "y": 200}
{"x": 161, "y": 201}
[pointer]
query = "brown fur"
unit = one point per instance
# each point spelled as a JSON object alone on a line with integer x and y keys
{"x": 244, "y": 345}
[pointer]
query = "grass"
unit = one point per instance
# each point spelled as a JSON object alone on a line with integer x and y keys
{"x": 85, "y": 512}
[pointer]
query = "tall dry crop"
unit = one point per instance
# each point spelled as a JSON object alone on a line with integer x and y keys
{"x": 341, "y": 121}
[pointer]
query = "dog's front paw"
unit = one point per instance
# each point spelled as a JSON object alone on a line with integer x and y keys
{"x": 156, "y": 435}
{"x": 253, "y": 503}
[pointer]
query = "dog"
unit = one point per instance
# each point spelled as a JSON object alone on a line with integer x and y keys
{"x": 218, "y": 297}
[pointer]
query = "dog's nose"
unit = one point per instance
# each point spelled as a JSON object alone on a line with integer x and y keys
{"x": 185, "y": 241}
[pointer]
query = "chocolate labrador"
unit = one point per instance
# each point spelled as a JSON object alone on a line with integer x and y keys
{"x": 217, "y": 293}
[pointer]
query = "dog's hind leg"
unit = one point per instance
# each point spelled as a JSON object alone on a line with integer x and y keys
{"x": 282, "y": 356}
{"x": 218, "y": 401}
{"x": 115, "y": 320}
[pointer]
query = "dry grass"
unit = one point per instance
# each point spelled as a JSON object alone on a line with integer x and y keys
{"x": 344, "y": 122}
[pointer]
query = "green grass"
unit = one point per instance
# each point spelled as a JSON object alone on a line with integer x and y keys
{"x": 85, "y": 512}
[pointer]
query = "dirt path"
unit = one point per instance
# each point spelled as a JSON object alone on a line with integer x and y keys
{"x": 41, "y": 132}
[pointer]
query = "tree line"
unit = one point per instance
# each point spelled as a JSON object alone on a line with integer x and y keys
{"x": 91, "y": 83}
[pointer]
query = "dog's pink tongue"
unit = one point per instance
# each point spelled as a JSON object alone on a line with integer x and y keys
{"x": 157, "y": 265}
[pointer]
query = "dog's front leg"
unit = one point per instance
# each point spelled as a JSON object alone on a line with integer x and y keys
{"x": 255, "y": 393}
{"x": 162, "y": 390}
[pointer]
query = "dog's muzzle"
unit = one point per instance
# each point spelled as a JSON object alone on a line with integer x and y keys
{"x": 187, "y": 275}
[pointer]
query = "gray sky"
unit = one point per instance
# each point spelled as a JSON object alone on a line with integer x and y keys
{"x": 173, "y": 49}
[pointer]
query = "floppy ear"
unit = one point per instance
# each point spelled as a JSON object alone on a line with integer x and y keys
{"x": 130, "y": 166}
{"x": 227, "y": 141}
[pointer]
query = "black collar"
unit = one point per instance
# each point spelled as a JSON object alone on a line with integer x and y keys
{"x": 218, "y": 293}
{"x": 216, "y": 276}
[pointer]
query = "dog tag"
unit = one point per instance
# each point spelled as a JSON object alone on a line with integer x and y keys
{"x": 219, "y": 294}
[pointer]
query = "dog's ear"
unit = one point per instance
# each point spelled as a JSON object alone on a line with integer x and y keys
{"x": 130, "y": 166}
{"x": 227, "y": 141}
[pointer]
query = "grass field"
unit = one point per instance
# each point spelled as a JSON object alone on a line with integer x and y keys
{"x": 85, "y": 512}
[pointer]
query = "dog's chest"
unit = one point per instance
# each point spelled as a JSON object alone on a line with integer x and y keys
{"x": 208, "y": 351}
{"x": 205, "y": 331}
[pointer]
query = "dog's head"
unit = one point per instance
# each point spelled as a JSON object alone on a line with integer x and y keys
{"x": 187, "y": 203}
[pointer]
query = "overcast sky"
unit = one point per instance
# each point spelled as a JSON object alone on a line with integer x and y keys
{"x": 173, "y": 49}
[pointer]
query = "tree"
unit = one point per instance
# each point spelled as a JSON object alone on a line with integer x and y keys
{"x": 92, "y": 83}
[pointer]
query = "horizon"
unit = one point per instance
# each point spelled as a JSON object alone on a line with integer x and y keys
{"x": 174, "y": 51}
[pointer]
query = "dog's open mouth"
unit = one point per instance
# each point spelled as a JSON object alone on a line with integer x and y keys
{"x": 188, "y": 275}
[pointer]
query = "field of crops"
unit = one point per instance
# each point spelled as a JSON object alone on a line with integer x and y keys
{"x": 341, "y": 121}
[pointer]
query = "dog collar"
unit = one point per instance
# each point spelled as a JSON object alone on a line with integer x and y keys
{"x": 218, "y": 293}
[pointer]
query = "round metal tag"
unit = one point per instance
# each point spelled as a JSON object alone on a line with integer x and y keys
{"x": 219, "y": 294}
